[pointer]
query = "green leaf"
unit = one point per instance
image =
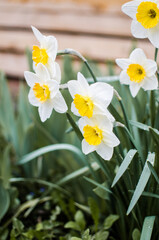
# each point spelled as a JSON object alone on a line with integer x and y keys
{"x": 5, "y": 166}
{"x": 76, "y": 238}
{"x": 73, "y": 225}
{"x": 153, "y": 172}
{"x": 80, "y": 220}
{"x": 86, "y": 235}
{"x": 102, "y": 235}
{"x": 127, "y": 160}
{"x": 77, "y": 174}
{"x": 4, "y": 200}
{"x": 94, "y": 211}
{"x": 98, "y": 185}
{"x": 27, "y": 158}
{"x": 74, "y": 126}
{"x": 136, "y": 234}
{"x": 101, "y": 192}
{"x": 139, "y": 125}
{"x": 109, "y": 221}
{"x": 142, "y": 182}
{"x": 155, "y": 135}
{"x": 147, "y": 228}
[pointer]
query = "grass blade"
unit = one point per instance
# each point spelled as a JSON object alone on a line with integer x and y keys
{"x": 153, "y": 172}
{"x": 27, "y": 158}
{"x": 97, "y": 184}
{"x": 147, "y": 228}
{"x": 77, "y": 173}
{"x": 142, "y": 182}
{"x": 139, "y": 125}
{"x": 127, "y": 160}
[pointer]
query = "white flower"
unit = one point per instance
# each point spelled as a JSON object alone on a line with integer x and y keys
{"x": 46, "y": 52}
{"x": 138, "y": 72}
{"x": 44, "y": 92}
{"x": 145, "y": 15}
{"x": 90, "y": 99}
{"x": 98, "y": 136}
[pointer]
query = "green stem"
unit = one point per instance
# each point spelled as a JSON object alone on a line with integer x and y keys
{"x": 125, "y": 115}
{"x": 156, "y": 52}
{"x": 77, "y": 54}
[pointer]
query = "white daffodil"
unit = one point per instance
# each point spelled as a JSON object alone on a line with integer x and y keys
{"x": 145, "y": 15}
{"x": 44, "y": 92}
{"x": 46, "y": 52}
{"x": 90, "y": 99}
{"x": 138, "y": 72}
{"x": 98, "y": 136}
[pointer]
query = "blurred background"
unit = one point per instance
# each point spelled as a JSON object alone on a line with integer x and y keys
{"x": 96, "y": 28}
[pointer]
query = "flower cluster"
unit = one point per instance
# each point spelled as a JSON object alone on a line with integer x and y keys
{"x": 90, "y": 102}
{"x": 138, "y": 71}
{"x": 45, "y": 82}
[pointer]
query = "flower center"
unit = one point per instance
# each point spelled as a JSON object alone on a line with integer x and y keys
{"x": 136, "y": 73}
{"x": 42, "y": 93}
{"x": 148, "y": 14}
{"x": 39, "y": 55}
{"x": 92, "y": 135}
{"x": 84, "y": 105}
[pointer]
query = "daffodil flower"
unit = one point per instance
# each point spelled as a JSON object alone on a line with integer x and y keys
{"x": 90, "y": 99}
{"x": 46, "y": 52}
{"x": 44, "y": 92}
{"x": 98, "y": 136}
{"x": 145, "y": 15}
{"x": 138, "y": 72}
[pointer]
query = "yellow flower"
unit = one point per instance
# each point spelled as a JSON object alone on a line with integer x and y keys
{"x": 98, "y": 136}
{"x": 138, "y": 72}
{"x": 145, "y": 23}
{"x": 89, "y": 100}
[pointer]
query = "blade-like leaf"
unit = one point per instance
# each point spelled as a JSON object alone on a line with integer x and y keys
{"x": 77, "y": 173}
{"x": 127, "y": 160}
{"x": 147, "y": 228}
{"x": 5, "y": 201}
{"x": 50, "y": 148}
{"x": 142, "y": 182}
{"x": 155, "y": 135}
{"x": 139, "y": 125}
{"x": 153, "y": 172}
{"x": 98, "y": 184}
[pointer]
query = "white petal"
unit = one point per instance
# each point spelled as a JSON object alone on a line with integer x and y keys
{"x": 101, "y": 92}
{"x": 130, "y": 8}
{"x": 81, "y": 123}
{"x": 31, "y": 78}
{"x": 74, "y": 109}
{"x": 138, "y": 30}
{"x": 138, "y": 56}
{"x": 124, "y": 78}
{"x": 50, "y": 43}
{"x": 87, "y": 148}
{"x": 59, "y": 103}
{"x": 109, "y": 115}
{"x": 57, "y": 74}
{"x": 42, "y": 72}
{"x": 151, "y": 67}
{"x": 37, "y": 34}
{"x": 134, "y": 88}
{"x": 123, "y": 63}
{"x": 110, "y": 139}
{"x": 82, "y": 80}
{"x": 53, "y": 88}
{"x": 104, "y": 151}
{"x": 153, "y": 35}
{"x": 45, "y": 110}
{"x": 102, "y": 121}
{"x": 150, "y": 83}
{"x": 32, "y": 99}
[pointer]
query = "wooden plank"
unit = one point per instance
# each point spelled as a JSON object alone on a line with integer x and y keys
{"x": 68, "y": 22}
{"x": 100, "y": 49}
{"x": 89, "y": 7}
{"x": 96, "y": 48}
